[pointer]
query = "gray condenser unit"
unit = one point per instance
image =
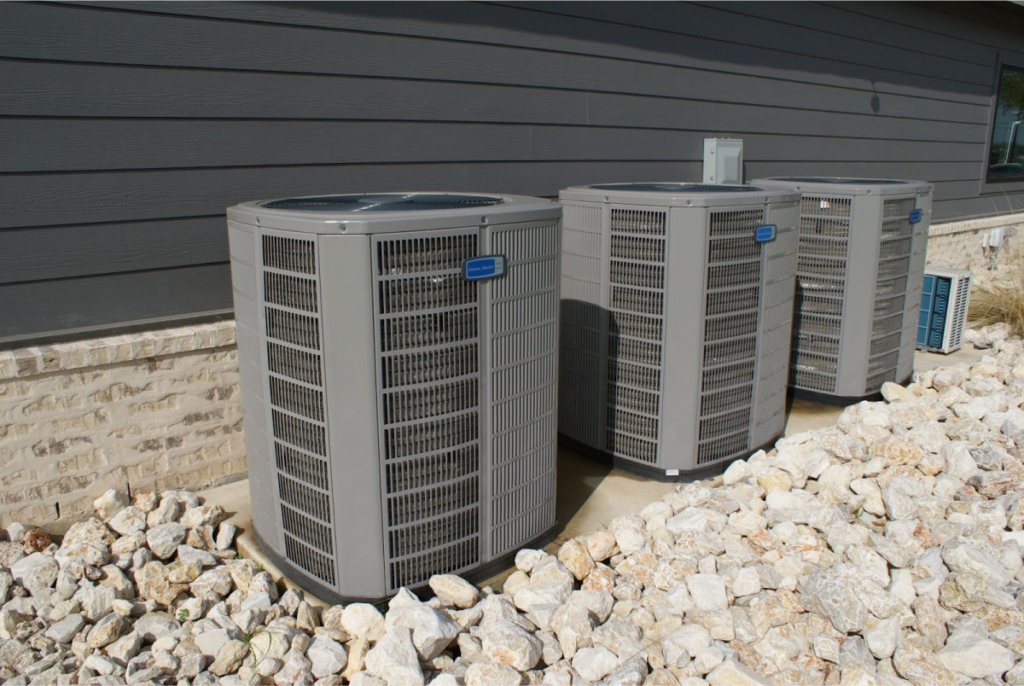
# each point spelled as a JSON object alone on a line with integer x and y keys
{"x": 677, "y": 303}
{"x": 862, "y": 255}
{"x": 398, "y": 358}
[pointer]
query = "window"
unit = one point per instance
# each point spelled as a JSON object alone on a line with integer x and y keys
{"x": 1006, "y": 156}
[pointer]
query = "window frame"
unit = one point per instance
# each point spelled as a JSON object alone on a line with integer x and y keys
{"x": 1003, "y": 61}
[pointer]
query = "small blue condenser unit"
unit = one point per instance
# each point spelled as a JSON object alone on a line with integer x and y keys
{"x": 943, "y": 316}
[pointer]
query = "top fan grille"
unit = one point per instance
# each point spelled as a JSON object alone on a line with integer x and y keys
{"x": 841, "y": 181}
{"x": 383, "y": 202}
{"x": 674, "y": 188}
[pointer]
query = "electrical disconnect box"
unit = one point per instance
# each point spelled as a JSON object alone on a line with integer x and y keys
{"x": 723, "y": 160}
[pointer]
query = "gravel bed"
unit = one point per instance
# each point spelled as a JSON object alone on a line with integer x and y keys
{"x": 886, "y": 549}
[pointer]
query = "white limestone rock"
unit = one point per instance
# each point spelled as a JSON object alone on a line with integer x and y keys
{"x": 166, "y": 512}
{"x": 125, "y": 648}
{"x": 454, "y": 590}
{"x": 507, "y": 643}
{"x": 108, "y": 504}
{"x": 974, "y": 655}
{"x": 66, "y": 629}
{"x": 593, "y": 664}
{"x": 883, "y": 638}
{"x": 708, "y": 592}
{"x": 601, "y": 545}
{"x": 202, "y": 515}
{"x": 229, "y": 657}
{"x": 576, "y": 558}
{"x": 970, "y": 559}
{"x": 105, "y": 631}
{"x": 394, "y": 659}
{"x": 629, "y": 534}
{"x": 35, "y": 572}
{"x": 489, "y": 674}
{"x": 746, "y": 583}
{"x": 432, "y": 631}
{"x": 326, "y": 656}
{"x": 573, "y": 624}
{"x": 155, "y": 625}
{"x": 362, "y": 620}
{"x": 732, "y": 673}
{"x": 164, "y": 539}
{"x": 959, "y": 462}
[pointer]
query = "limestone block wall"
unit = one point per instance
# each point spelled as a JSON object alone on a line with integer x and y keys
{"x": 153, "y": 410}
{"x": 958, "y": 244}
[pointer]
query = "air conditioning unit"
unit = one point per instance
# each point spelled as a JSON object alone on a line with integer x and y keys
{"x": 398, "y": 359}
{"x": 676, "y": 314}
{"x": 862, "y": 255}
{"x": 945, "y": 298}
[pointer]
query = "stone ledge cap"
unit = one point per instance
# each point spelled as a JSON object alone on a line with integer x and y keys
{"x": 95, "y": 352}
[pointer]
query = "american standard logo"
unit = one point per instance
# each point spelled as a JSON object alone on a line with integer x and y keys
{"x": 483, "y": 267}
{"x": 763, "y": 234}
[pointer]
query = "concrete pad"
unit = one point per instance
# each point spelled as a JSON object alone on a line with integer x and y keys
{"x": 924, "y": 362}
{"x": 589, "y": 495}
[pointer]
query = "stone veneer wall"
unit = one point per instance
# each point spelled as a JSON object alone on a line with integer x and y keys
{"x": 958, "y": 244}
{"x": 153, "y": 410}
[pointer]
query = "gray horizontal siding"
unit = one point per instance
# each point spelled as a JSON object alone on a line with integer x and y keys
{"x": 129, "y": 127}
{"x": 99, "y": 303}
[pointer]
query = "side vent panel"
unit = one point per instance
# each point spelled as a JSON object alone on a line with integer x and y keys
{"x": 580, "y": 412}
{"x": 820, "y": 292}
{"x": 777, "y": 327}
{"x": 635, "y": 333}
{"x": 961, "y": 297}
{"x": 245, "y": 266}
{"x": 523, "y": 383}
{"x": 731, "y": 325}
{"x": 890, "y": 292}
{"x": 292, "y": 327}
{"x": 429, "y": 404}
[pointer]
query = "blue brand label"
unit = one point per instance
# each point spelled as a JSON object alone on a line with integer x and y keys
{"x": 483, "y": 267}
{"x": 915, "y": 216}
{"x": 763, "y": 234}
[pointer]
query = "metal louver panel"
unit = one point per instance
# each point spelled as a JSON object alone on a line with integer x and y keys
{"x": 956, "y": 332}
{"x": 730, "y": 343}
{"x": 776, "y": 328}
{"x": 890, "y": 292}
{"x": 523, "y": 339}
{"x": 245, "y": 269}
{"x": 820, "y": 291}
{"x": 429, "y": 404}
{"x": 297, "y": 408}
{"x": 580, "y": 406}
{"x": 636, "y": 268}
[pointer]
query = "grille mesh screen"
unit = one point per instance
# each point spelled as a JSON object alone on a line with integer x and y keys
{"x": 821, "y": 283}
{"x": 730, "y": 344}
{"x": 292, "y": 321}
{"x": 635, "y": 333}
{"x": 890, "y": 291}
{"x": 428, "y": 357}
{"x": 523, "y": 337}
